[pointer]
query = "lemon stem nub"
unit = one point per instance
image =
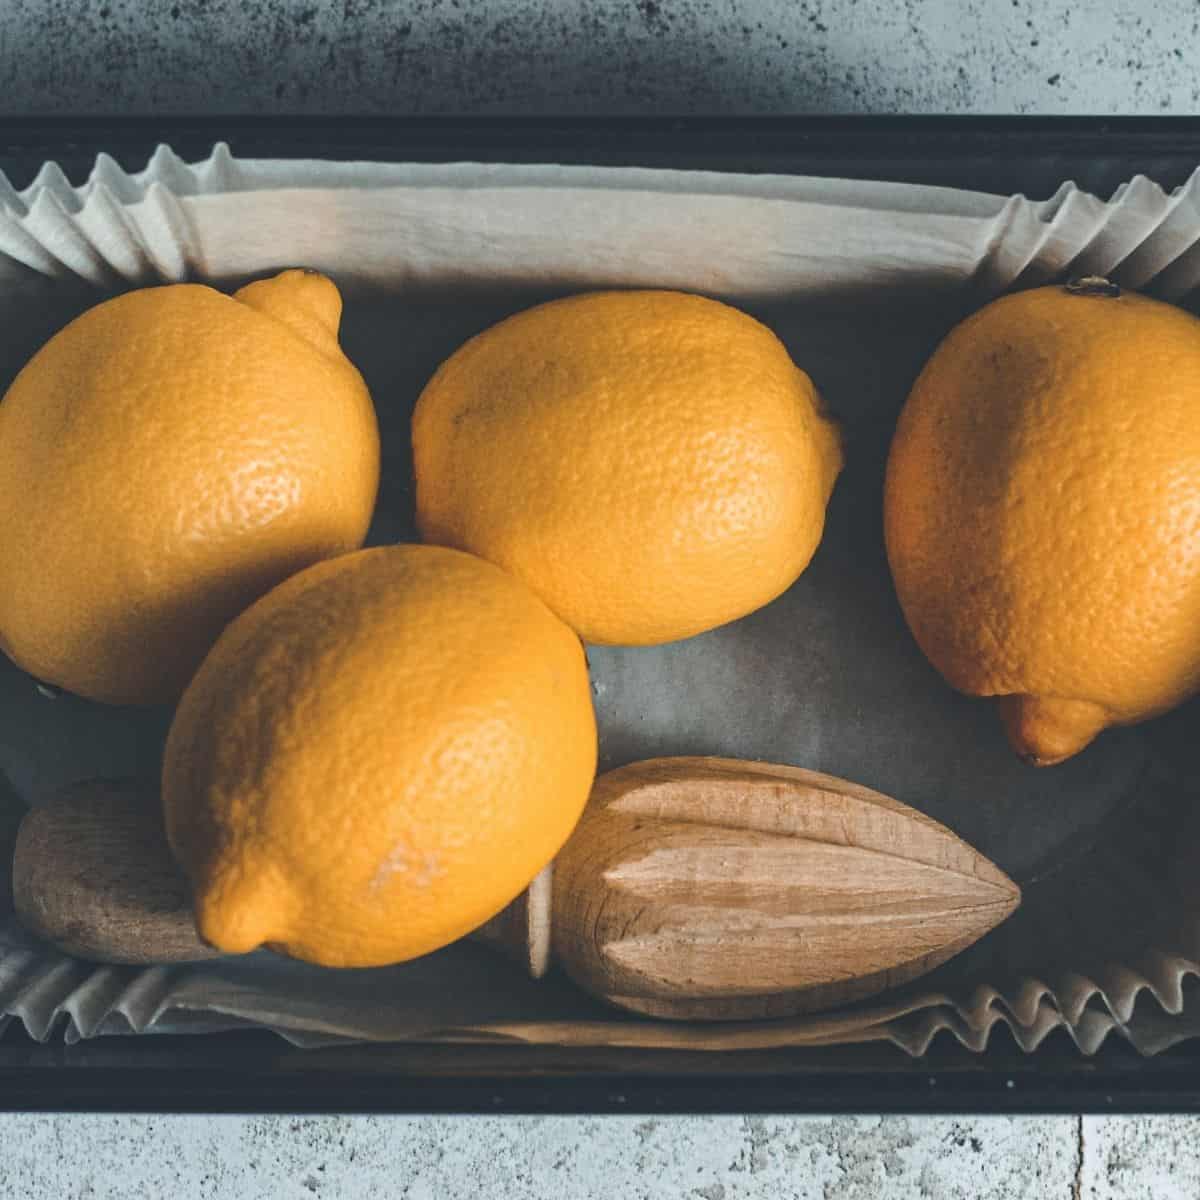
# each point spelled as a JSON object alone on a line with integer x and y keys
{"x": 240, "y": 912}
{"x": 1093, "y": 285}
{"x": 307, "y": 302}
{"x": 1045, "y": 730}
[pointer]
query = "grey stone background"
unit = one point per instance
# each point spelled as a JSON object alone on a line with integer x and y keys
{"x": 598, "y": 1158}
{"x": 628, "y": 57}
{"x": 609, "y": 56}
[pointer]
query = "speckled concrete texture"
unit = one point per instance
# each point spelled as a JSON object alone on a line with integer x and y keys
{"x": 607, "y": 56}
{"x": 581, "y": 1158}
{"x": 487, "y": 1158}
{"x": 1134, "y": 1157}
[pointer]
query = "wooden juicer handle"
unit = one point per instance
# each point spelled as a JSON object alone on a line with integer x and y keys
{"x": 693, "y": 888}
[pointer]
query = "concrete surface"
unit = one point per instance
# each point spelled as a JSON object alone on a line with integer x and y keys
{"x": 613, "y": 1158}
{"x": 610, "y": 1158}
{"x": 616, "y": 56}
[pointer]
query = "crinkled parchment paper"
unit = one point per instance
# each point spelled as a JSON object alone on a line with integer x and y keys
{"x": 860, "y": 280}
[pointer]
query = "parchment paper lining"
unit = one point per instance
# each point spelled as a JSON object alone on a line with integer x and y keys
{"x": 860, "y": 279}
